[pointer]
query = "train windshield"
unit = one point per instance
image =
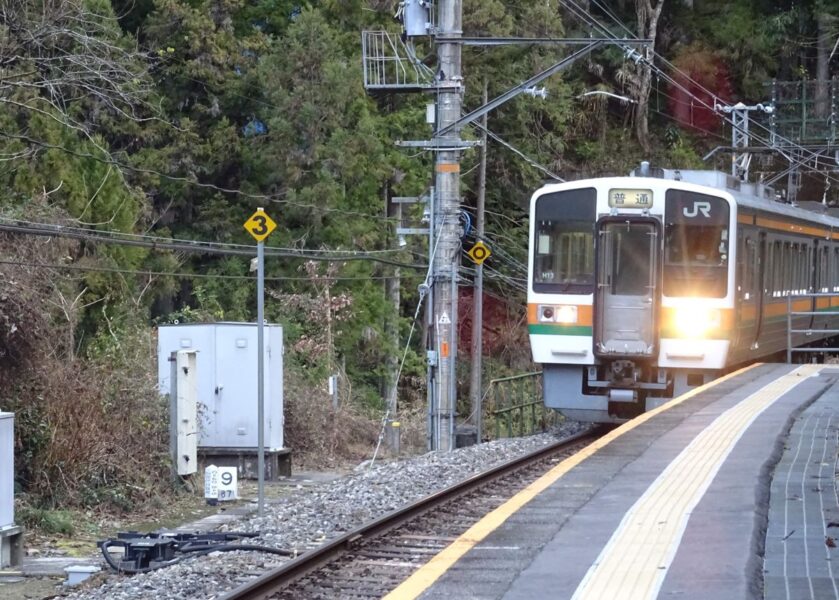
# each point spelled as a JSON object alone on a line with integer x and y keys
{"x": 563, "y": 250}
{"x": 695, "y": 245}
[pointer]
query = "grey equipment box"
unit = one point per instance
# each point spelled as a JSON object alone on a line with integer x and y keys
{"x": 11, "y": 536}
{"x": 227, "y": 381}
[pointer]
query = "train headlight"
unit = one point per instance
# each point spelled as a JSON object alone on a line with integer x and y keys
{"x": 697, "y": 321}
{"x": 565, "y": 314}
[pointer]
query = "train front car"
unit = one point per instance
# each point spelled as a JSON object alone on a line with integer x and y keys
{"x": 631, "y": 292}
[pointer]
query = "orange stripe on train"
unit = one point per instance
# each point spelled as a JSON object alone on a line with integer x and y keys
{"x": 585, "y": 314}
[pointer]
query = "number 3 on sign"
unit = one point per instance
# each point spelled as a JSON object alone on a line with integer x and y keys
{"x": 260, "y": 225}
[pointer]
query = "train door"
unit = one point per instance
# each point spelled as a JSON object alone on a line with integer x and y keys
{"x": 746, "y": 296}
{"x": 814, "y": 280}
{"x": 627, "y": 281}
{"x": 763, "y": 284}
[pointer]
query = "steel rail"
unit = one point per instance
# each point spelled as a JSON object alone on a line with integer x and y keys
{"x": 273, "y": 581}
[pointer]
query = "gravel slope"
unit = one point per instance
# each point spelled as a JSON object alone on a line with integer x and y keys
{"x": 306, "y": 518}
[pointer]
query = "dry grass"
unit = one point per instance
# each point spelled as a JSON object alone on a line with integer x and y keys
{"x": 320, "y": 435}
{"x": 92, "y": 433}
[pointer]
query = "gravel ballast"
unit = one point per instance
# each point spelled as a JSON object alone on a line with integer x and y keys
{"x": 308, "y": 517}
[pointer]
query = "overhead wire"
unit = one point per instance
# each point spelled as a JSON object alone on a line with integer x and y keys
{"x": 196, "y": 247}
{"x": 155, "y": 238}
{"x": 533, "y": 163}
{"x": 181, "y": 274}
{"x": 423, "y": 292}
{"x": 593, "y": 22}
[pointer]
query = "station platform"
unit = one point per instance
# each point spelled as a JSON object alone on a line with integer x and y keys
{"x": 726, "y": 492}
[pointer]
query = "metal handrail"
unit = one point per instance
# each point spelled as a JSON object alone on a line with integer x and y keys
{"x": 517, "y": 405}
{"x": 809, "y": 331}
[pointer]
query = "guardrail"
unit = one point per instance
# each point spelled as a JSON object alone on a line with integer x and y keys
{"x": 517, "y": 407}
{"x": 810, "y": 331}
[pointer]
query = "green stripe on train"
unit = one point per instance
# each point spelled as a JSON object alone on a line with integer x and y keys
{"x": 553, "y": 329}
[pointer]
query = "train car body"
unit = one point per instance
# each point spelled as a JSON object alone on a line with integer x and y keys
{"x": 641, "y": 288}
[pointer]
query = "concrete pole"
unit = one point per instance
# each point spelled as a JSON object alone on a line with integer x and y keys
{"x": 447, "y": 196}
{"x": 475, "y": 382}
{"x": 392, "y": 296}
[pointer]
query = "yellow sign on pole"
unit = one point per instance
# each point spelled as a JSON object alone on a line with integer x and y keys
{"x": 479, "y": 252}
{"x": 260, "y": 225}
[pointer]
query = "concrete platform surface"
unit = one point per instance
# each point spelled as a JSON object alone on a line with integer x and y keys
{"x": 672, "y": 505}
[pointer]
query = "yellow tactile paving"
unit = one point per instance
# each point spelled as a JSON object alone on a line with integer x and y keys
{"x": 633, "y": 564}
{"x": 426, "y": 575}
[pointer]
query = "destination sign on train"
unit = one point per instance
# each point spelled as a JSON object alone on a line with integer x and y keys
{"x": 630, "y": 198}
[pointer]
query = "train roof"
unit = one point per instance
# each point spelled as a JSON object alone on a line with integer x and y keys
{"x": 750, "y": 195}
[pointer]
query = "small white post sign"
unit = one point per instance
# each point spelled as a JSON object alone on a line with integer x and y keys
{"x": 211, "y": 487}
{"x": 228, "y": 483}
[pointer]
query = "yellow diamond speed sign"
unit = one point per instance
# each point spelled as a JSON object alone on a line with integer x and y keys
{"x": 260, "y": 225}
{"x": 479, "y": 252}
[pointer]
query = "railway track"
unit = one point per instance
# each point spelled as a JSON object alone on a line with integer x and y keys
{"x": 373, "y": 559}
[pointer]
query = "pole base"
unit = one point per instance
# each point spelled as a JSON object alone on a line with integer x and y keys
{"x": 465, "y": 435}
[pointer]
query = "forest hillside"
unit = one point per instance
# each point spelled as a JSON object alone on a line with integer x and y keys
{"x": 132, "y": 129}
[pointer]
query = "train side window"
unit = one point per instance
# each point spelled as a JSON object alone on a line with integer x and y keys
{"x": 803, "y": 251}
{"x": 792, "y": 258}
{"x": 801, "y": 258}
{"x": 769, "y": 270}
{"x": 834, "y": 279}
{"x": 833, "y": 282}
{"x": 787, "y": 282}
{"x": 792, "y": 273}
{"x": 834, "y": 263}
{"x": 777, "y": 268}
{"x": 834, "y": 270}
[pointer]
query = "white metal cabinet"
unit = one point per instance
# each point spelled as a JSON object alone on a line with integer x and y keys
{"x": 227, "y": 380}
{"x": 7, "y": 469}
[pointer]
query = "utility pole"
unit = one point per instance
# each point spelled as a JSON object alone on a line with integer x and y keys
{"x": 391, "y": 63}
{"x": 475, "y": 387}
{"x": 392, "y": 285}
{"x": 447, "y": 213}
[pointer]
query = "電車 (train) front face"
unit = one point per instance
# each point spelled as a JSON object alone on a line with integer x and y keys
{"x": 631, "y": 292}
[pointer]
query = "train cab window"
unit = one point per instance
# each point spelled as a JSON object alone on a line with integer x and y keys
{"x": 695, "y": 245}
{"x": 563, "y": 261}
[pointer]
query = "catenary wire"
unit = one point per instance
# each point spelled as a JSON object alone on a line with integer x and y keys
{"x": 810, "y": 155}
{"x": 182, "y": 274}
{"x": 45, "y": 230}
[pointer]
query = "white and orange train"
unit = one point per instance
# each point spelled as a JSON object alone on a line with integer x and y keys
{"x": 643, "y": 287}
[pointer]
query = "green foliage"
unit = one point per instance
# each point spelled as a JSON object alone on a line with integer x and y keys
{"x": 47, "y": 521}
{"x": 219, "y": 106}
